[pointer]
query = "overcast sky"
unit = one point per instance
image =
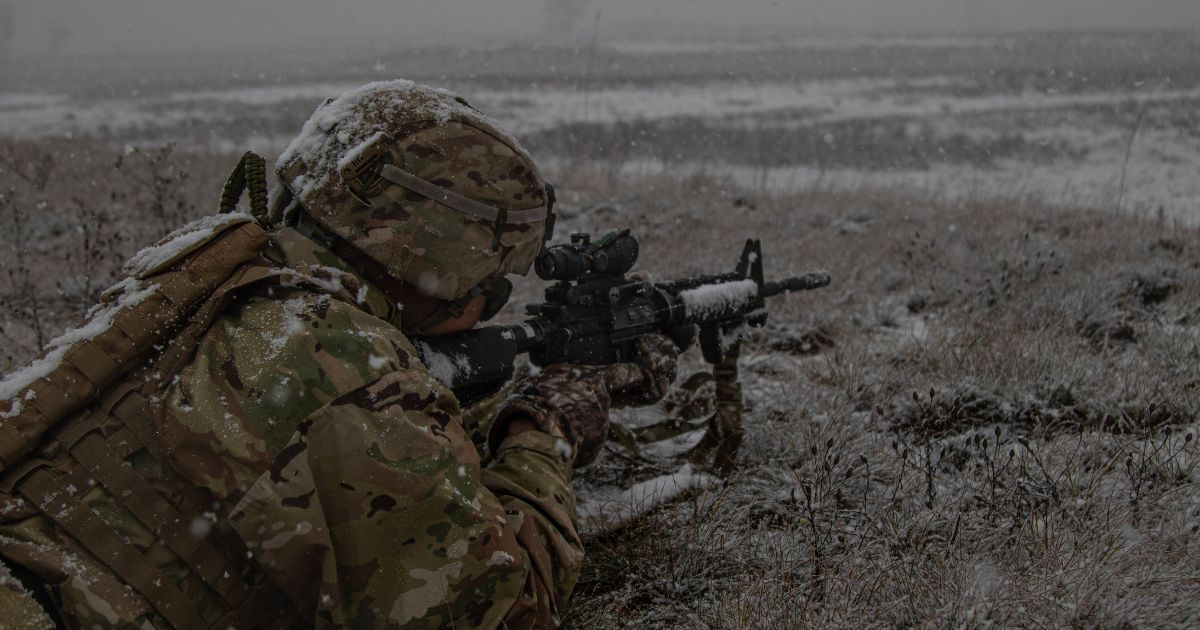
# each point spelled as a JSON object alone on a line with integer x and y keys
{"x": 181, "y": 25}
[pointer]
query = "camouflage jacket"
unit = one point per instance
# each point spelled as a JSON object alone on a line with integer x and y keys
{"x": 344, "y": 467}
{"x": 351, "y": 478}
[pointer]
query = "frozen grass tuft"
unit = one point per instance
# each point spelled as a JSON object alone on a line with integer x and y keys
{"x": 988, "y": 420}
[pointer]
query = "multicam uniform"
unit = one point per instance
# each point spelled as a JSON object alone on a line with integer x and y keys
{"x": 329, "y": 473}
{"x": 343, "y": 468}
{"x": 353, "y": 483}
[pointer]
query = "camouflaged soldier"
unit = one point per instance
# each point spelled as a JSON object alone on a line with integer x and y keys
{"x": 334, "y": 476}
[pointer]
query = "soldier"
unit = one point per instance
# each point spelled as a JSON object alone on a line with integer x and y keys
{"x": 322, "y": 473}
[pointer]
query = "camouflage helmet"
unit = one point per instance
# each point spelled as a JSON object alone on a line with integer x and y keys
{"x": 420, "y": 182}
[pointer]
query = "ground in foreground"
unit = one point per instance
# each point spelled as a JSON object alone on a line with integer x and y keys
{"x": 987, "y": 420}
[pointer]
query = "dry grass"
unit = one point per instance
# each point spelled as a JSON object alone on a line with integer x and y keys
{"x": 71, "y": 212}
{"x": 988, "y": 420}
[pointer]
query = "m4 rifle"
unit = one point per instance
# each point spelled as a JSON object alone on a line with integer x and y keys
{"x": 594, "y": 310}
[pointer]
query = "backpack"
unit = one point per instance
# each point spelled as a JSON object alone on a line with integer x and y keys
{"x": 165, "y": 286}
{"x": 76, "y": 415}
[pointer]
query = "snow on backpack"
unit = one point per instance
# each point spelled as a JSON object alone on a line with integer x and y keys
{"x": 165, "y": 288}
{"x": 74, "y": 418}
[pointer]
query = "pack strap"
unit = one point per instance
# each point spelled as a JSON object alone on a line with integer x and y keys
{"x": 469, "y": 207}
{"x": 179, "y": 353}
{"x": 102, "y": 541}
{"x": 249, "y": 175}
{"x": 263, "y": 608}
{"x": 93, "y": 363}
{"x": 135, "y": 413}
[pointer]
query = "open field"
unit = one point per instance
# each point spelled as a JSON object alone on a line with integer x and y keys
{"x": 987, "y": 420}
{"x": 1104, "y": 119}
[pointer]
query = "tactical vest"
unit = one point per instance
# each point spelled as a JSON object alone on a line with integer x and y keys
{"x": 78, "y": 430}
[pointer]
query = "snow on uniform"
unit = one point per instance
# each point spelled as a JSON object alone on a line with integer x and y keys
{"x": 294, "y": 463}
{"x": 21, "y": 610}
{"x": 346, "y": 471}
{"x": 336, "y": 465}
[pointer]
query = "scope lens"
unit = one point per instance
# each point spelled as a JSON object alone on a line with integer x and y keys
{"x": 545, "y": 265}
{"x": 559, "y": 263}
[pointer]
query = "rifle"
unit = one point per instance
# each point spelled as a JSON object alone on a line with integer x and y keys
{"x": 594, "y": 311}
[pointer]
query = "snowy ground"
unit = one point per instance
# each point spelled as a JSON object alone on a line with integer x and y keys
{"x": 1107, "y": 120}
{"x": 988, "y": 418}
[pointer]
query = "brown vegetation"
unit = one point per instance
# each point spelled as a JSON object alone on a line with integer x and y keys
{"x": 70, "y": 213}
{"x": 988, "y": 419}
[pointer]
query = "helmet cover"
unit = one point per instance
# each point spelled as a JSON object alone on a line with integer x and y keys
{"x": 337, "y": 170}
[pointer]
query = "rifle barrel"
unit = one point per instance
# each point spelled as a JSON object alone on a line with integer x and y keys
{"x": 807, "y": 282}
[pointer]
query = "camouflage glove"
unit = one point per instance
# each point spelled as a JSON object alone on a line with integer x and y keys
{"x": 572, "y": 401}
{"x": 648, "y": 379}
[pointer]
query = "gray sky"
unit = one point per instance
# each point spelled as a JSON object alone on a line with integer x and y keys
{"x": 82, "y": 26}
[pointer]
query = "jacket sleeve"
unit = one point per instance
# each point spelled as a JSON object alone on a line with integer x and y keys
{"x": 377, "y": 513}
{"x": 532, "y": 479}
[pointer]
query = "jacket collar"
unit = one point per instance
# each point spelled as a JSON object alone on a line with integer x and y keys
{"x": 313, "y": 259}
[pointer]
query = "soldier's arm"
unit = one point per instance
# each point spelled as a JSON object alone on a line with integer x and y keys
{"x": 379, "y": 509}
{"x": 371, "y": 505}
{"x": 531, "y": 476}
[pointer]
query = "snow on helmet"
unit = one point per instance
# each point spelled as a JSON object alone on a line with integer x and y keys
{"x": 422, "y": 183}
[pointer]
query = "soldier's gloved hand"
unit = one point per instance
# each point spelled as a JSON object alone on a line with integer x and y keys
{"x": 572, "y": 401}
{"x": 648, "y": 379}
{"x": 566, "y": 401}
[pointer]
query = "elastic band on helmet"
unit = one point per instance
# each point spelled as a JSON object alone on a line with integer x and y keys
{"x": 447, "y": 197}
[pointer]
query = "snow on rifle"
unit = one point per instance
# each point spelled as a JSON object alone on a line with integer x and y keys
{"x": 594, "y": 311}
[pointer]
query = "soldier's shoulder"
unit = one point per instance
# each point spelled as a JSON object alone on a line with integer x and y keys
{"x": 275, "y": 358}
{"x": 309, "y": 338}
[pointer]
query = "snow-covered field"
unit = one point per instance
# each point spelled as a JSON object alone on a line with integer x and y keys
{"x": 987, "y": 419}
{"x": 1109, "y": 121}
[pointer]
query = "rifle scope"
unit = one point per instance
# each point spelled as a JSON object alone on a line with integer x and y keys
{"x": 581, "y": 259}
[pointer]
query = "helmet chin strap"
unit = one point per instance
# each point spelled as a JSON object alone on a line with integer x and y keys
{"x": 495, "y": 290}
{"x": 452, "y": 309}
